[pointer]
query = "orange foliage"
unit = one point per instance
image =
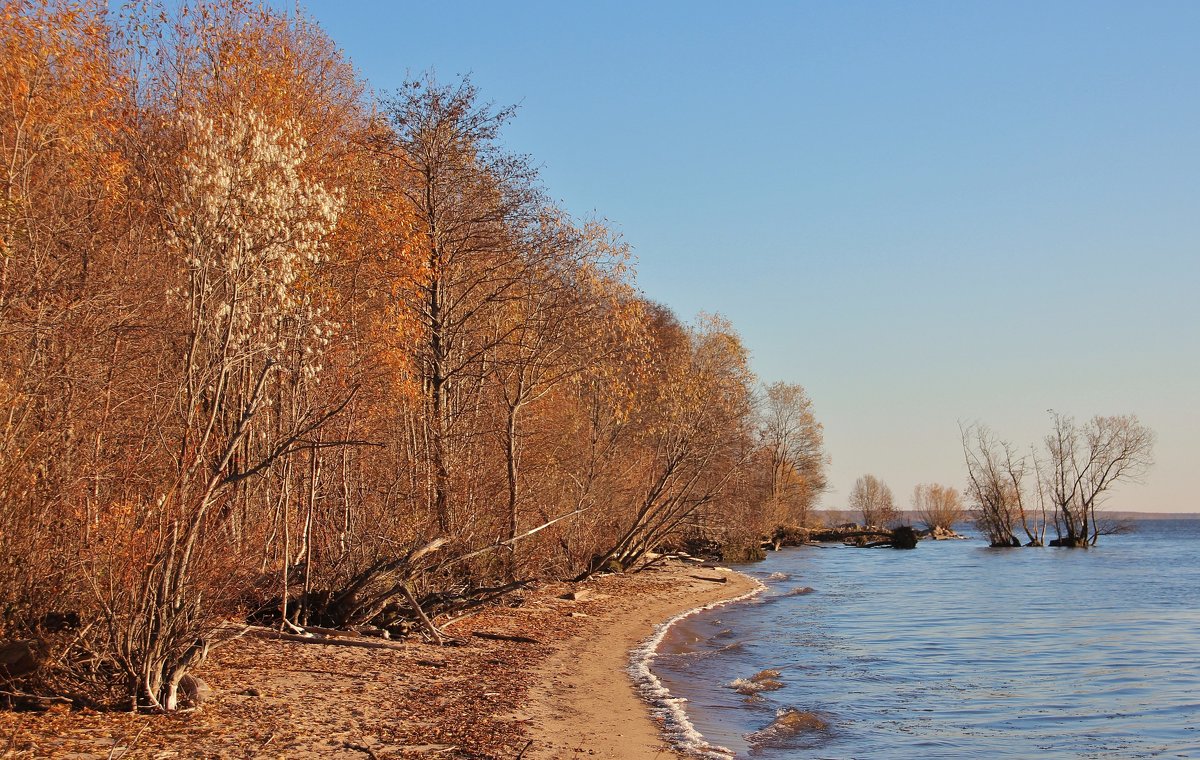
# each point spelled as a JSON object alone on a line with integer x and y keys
{"x": 259, "y": 344}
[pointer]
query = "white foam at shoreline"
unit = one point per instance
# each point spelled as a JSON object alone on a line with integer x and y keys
{"x": 670, "y": 709}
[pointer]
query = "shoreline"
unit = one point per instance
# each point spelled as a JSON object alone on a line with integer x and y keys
{"x": 567, "y": 689}
{"x": 588, "y": 698}
{"x": 665, "y": 708}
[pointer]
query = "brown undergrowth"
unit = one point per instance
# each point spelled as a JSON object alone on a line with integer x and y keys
{"x": 282, "y": 699}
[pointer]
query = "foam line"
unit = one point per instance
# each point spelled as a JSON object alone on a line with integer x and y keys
{"x": 669, "y": 709}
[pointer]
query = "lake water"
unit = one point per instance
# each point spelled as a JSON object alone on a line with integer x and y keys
{"x": 955, "y": 650}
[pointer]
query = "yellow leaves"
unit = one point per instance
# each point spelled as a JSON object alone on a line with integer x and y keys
{"x": 64, "y": 90}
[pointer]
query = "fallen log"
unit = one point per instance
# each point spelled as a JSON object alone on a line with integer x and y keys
{"x": 332, "y": 632}
{"x": 721, "y": 579}
{"x": 505, "y": 637}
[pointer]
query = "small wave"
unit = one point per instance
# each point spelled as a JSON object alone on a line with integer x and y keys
{"x": 792, "y": 728}
{"x": 670, "y": 709}
{"x": 764, "y": 680}
{"x": 700, "y": 654}
{"x": 797, "y": 591}
{"x": 779, "y": 577}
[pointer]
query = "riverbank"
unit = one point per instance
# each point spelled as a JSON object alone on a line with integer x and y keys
{"x": 563, "y": 691}
{"x": 583, "y": 699}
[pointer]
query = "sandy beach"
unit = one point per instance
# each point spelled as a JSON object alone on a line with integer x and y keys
{"x": 566, "y": 693}
{"x": 582, "y": 699}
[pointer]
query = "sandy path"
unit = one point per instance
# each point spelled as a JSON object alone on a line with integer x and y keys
{"x": 583, "y": 699}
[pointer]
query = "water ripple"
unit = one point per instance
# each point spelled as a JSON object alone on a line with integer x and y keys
{"x": 956, "y": 651}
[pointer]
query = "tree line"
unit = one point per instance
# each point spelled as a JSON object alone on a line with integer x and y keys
{"x": 273, "y": 347}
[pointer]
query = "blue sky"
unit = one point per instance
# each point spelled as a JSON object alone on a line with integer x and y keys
{"x": 922, "y": 212}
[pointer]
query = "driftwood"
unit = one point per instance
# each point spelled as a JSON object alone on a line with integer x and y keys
{"x": 508, "y": 542}
{"x": 721, "y": 579}
{"x": 22, "y": 697}
{"x": 505, "y": 637}
{"x": 373, "y": 589}
{"x": 425, "y": 621}
{"x": 340, "y": 633}
{"x": 431, "y": 664}
{"x": 361, "y": 748}
{"x": 903, "y": 537}
{"x": 342, "y": 640}
{"x": 443, "y": 603}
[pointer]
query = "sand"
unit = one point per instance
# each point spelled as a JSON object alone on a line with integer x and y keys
{"x": 583, "y": 699}
{"x": 570, "y": 694}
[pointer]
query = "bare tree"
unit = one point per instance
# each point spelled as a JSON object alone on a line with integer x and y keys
{"x": 1084, "y": 463}
{"x": 993, "y": 485}
{"x": 996, "y": 487}
{"x": 937, "y": 506}
{"x": 873, "y": 499}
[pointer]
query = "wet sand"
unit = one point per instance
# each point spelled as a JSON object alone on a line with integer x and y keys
{"x": 583, "y": 699}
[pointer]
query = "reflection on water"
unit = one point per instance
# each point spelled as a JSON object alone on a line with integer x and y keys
{"x": 956, "y": 650}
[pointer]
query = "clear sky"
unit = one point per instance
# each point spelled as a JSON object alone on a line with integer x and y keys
{"x": 922, "y": 212}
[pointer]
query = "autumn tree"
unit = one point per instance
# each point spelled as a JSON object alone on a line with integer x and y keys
{"x": 693, "y": 433}
{"x": 792, "y": 441}
{"x": 872, "y": 498}
{"x": 63, "y": 258}
{"x": 569, "y": 313}
{"x": 271, "y": 352}
{"x": 937, "y": 506}
{"x": 473, "y": 203}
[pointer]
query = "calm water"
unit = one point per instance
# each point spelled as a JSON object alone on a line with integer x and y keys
{"x": 955, "y": 650}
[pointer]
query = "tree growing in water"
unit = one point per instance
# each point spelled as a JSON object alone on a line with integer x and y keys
{"x": 1079, "y": 465}
{"x": 996, "y": 478}
{"x": 1084, "y": 463}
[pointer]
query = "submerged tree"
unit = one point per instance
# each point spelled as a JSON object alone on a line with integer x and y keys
{"x": 1077, "y": 468}
{"x": 996, "y": 488}
{"x": 1084, "y": 463}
